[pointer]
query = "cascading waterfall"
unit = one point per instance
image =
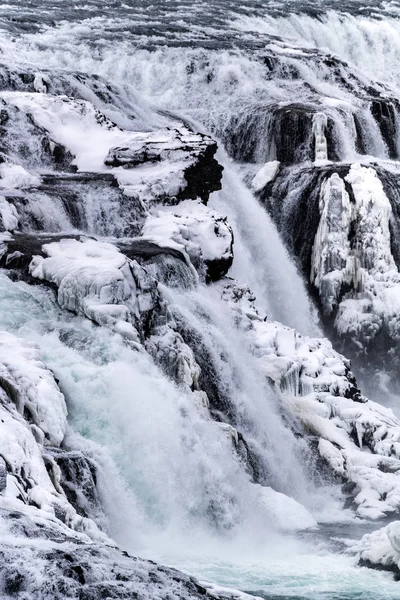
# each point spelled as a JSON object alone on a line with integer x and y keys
{"x": 279, "y": 288}
{"x": 205, "y": 475}
{"x": 177, "y": 474}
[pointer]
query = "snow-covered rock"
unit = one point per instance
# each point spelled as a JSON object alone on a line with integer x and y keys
{"x": 47, "y": 560}
{"x": 9, "y": 215}
{"x": 352, "y": 251}
{"x": 202, "y": 233}
{"x": 32, "y": 389}
{"x": 286, "y": 513}
{"x": 162, "y": 165}
{"x": 33, "y": 421}
{"x": 380, "y": 549}
{"x": 265, "y": 175}
{"x": 94, "y": 279}
{"x": 342, "y": 222}
{"x": 359, "y": 439}
{"x": 15, "y": 176}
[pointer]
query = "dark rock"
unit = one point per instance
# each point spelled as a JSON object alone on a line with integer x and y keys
{"x": 79, "y": 482}
{"x": 84, "y": 571}
{"x": 203, "y": 177}
{"x": 203, "y": 173}
{"x": 384, "y": 112}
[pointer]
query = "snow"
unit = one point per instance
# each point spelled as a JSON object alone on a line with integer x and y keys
{"x": 380, "y": 549}
{"x": 34, "y": 389}
{"x": 286, "y": 513}
{"x": 94, "y": 279}
{"x": 33, "y": 416}
{"x": 15, "y": 176}
{"x": 9, "y": 215}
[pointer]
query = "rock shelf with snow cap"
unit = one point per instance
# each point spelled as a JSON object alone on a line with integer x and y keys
{"x": 203, "y": 234}
{"x": 153, "y": 166}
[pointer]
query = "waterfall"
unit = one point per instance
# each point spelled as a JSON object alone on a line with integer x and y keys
{"x": 277, "y": 284}
{"x": 229, "y": 472}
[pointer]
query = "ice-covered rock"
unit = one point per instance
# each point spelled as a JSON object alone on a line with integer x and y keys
{"x": 33, "y": 422}
{"x": 31, "y": 388}
{"x": 9, "y": 215}
{"x": 191, "y": 227}
{"x": 41, "y": 83}
{"x": 15, "y": 176}
{"x": 342, "y": 222}
{"x": 265, "y": 175}
{"x": 286, "y": 513}
{"x": 359, "y": 439}
{"x": 94, "y": 279}
{"x": 380, "y": 549}
{"x": 47, "y": 560}
{"x": 352, "y": 265}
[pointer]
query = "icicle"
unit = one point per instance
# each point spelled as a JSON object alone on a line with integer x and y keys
{"x": 320, "y": 122}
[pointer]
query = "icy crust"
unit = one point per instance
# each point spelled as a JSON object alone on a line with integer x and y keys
{"x": 46, "y": 560}
{"x": 358, "y": 438}
{"x": 33, "y": 421}
{"x": 380, "y": 549}
{"x": 94, "y": 279}
{"x": 32, "y": 389}
{"x": 151, "y": 165}
{"x": 203, "y": 234}
{"x": 352, "y": 263}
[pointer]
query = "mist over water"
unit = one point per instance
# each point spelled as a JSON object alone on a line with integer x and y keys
{"x": 172, "y": 490}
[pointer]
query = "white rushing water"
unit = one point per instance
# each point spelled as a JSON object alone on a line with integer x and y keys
{"x": 261, "y": 259}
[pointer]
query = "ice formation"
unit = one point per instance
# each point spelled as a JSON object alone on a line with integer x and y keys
{"x": 352, "y": 251}
{"x": 358, "y": 438}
